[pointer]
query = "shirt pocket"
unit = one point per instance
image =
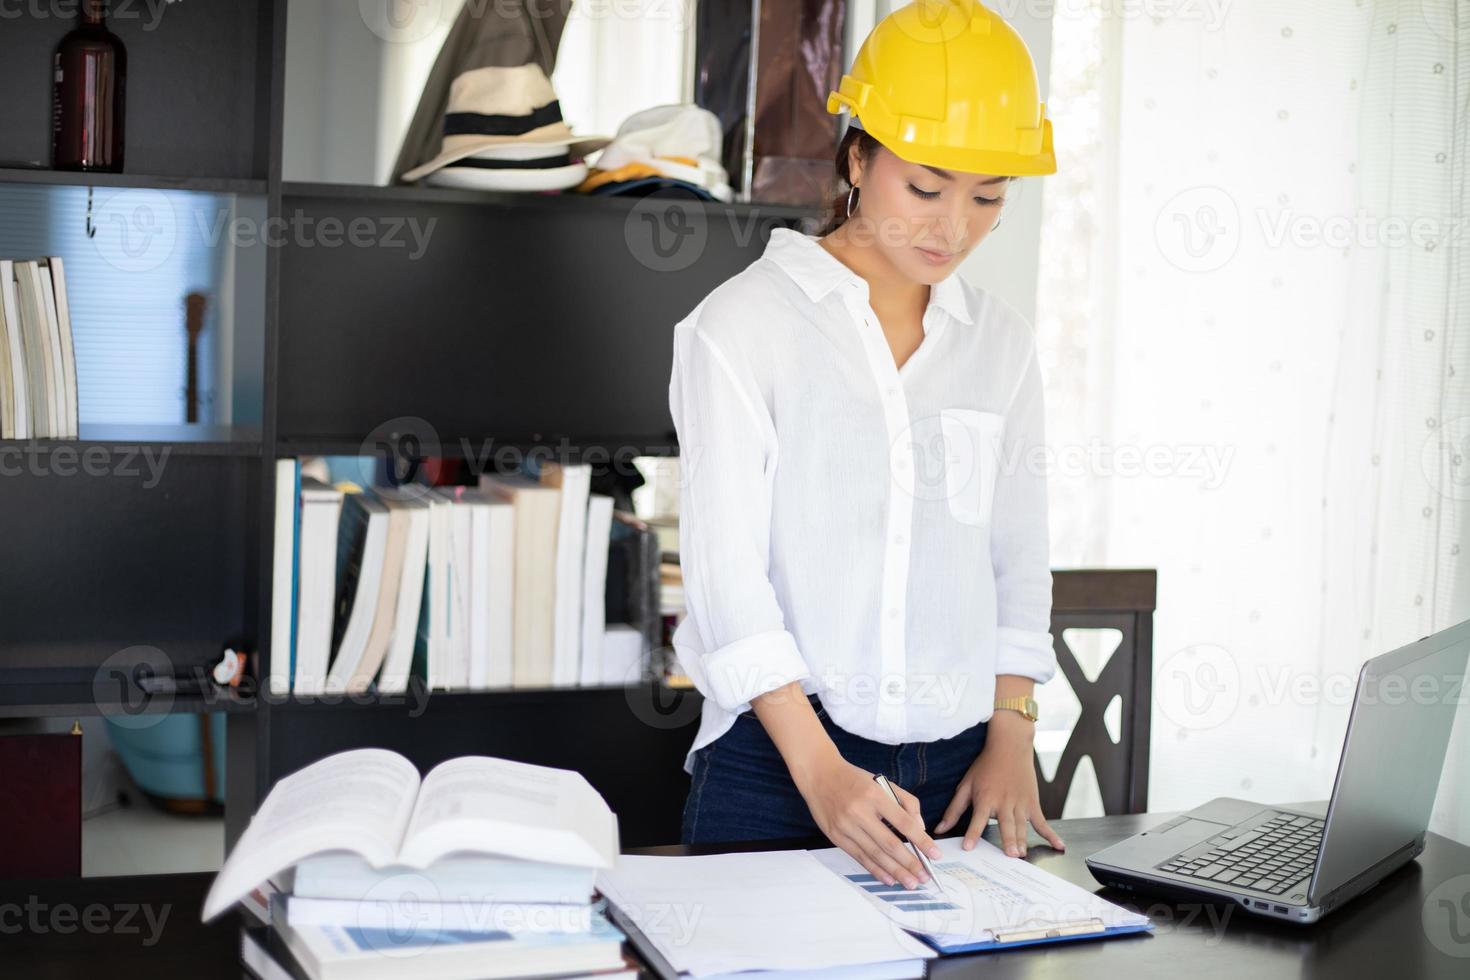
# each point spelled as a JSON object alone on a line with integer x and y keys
{"x": 971, "y": 462}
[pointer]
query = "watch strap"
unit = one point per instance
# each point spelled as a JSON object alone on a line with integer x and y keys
{"x": 1025, "y": 706}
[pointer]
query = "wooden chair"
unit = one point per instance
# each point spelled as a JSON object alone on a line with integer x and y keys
{"x": 1124, "y": 600}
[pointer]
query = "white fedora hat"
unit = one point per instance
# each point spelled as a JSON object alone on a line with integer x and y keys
{"x": 513, "y": 167}
{"x": 498, "y": 107}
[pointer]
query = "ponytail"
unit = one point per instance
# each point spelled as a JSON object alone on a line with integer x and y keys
{"x": 837, "y": 207}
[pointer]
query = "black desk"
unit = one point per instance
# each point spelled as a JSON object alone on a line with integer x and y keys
{"x": 1380, "y": 934}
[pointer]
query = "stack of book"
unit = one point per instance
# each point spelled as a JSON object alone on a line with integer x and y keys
{"x": 466, "y": 588}
{"x": 485, "y": 867}
{"x": 38, "y": 365}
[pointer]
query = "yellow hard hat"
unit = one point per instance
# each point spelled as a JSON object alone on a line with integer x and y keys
{"x": 951, "y": 84}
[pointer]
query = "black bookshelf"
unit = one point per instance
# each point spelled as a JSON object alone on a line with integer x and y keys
{"x": 200, "y": 103}
{"x": 188, "y": 440}
{"x": 80, "y": 699}
{"x": 66, "y": 178}
{"x": 532, "y": 321}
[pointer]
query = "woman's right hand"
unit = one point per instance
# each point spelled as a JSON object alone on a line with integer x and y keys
{"x": 850, "y": 807}
{"x": 845, "y": 801}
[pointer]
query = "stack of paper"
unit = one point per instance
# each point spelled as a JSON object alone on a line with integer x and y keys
{"x": 982, "y": 898}
{"x": 807, "y": 914}
{"x": 766, "y": 910}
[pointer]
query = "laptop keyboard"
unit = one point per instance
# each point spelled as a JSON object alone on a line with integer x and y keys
{"x": 1268, "y": 857}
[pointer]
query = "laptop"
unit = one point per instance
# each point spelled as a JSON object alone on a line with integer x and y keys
{"x": 1300, "y": 863}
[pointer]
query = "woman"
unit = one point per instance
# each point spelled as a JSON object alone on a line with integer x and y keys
{"x": 863, "y": 529}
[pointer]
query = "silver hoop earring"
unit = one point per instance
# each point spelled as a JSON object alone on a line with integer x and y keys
{"x": 850, "y": 195}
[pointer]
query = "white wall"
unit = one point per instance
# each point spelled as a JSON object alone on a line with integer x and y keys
{"x": 1005, "y": 264}
{"x": 352, "y": 86}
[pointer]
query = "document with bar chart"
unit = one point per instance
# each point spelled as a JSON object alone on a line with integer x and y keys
{"x": 982, "y": 899}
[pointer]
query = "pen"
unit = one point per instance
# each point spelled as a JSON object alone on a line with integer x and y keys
{"x": 881, "y": 780}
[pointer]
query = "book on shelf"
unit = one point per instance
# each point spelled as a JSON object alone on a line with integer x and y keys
{"x": 285, "y": 558}
{"x": 362, "y": 546}
{"x": 497, "y": 670}
{"x": 537, "y": 509}
{"x": 348, "y": 576}
{"x": 57, "y": 295}
{"x": 462, "y": 588}
{"x": 574, "y": 481}
{"x": 399, "y": 658}
{"x": 321, "y": 507}
{"x": 638, "y": 550}
{"x": 484, "y": 536}
{"x": 462, "y": 609}
{"x": 38, "y": 373}
{"x": 594, "y": 588}
{"x": 433, "y": 649}
{"x": 362, "y": 825}
{"x": 356, "y": 677}
{"x": 15, "y": 412}
{"x": 464, "y": 639}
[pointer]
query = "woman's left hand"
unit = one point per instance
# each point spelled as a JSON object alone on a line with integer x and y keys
{"x": 1001, "y": 782}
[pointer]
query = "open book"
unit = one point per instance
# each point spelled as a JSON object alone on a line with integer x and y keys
{"x": 371, "y": 804}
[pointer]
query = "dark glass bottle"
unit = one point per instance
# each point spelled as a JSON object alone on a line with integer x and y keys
{"x": 89, "y": 95}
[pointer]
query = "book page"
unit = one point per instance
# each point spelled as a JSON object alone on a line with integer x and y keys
{"x": 751, "y": 910}
{"x": 357, "y": 801}
{"x": 979, "y": 893}
{"x": 514, "y": 809}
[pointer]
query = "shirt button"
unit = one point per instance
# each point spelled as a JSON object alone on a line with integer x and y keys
{"x": 892, "y": 613}
{"x": 892, "y": 390}
{"x": 899, "y": 540}
{"x": 895, "y": 687}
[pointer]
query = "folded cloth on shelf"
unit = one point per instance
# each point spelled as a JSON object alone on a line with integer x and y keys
{"x": 652, "y": 187}
{"x": 680, "y": 142}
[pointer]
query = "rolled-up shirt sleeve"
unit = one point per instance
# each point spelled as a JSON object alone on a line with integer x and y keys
{"x": 1020, "y": 540}
{"x": 739, "y": 647}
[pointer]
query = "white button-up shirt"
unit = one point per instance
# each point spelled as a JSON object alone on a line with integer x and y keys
{"x": 877, "y": 533}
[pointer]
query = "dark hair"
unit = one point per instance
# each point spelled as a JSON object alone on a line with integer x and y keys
{"x": 867, "y": 148}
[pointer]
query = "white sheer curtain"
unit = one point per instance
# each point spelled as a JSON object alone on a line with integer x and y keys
{"x": 1255, "y": 313}
{"x": 618, "y": 58}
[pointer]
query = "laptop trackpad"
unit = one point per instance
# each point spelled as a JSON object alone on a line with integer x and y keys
{"x": 1170, "y": 838}
{"x": 1189, "y": 827}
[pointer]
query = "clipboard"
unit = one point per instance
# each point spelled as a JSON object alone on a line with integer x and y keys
{"x": 1053, "y": 933}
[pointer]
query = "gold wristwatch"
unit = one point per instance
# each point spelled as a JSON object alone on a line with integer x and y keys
{"x": 1026, "y": 706}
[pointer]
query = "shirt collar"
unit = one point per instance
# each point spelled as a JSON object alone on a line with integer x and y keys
{"x": 817, "y": 271}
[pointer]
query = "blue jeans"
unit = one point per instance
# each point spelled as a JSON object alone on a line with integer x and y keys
{"x": 741, "y": 790}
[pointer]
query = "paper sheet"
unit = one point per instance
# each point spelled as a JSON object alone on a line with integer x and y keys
{"x": 755, "y": 910}
{"x": 981, "y": 891}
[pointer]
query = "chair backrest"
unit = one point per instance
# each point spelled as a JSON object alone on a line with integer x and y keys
{"x": 1124, "y": 600}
